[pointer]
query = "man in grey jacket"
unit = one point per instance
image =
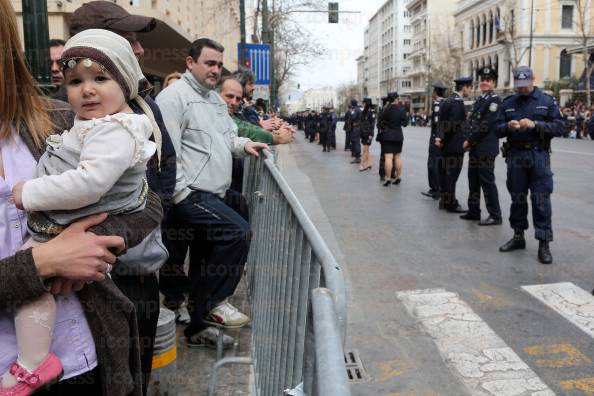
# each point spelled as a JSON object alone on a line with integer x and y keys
{"x": 205, "y": 139}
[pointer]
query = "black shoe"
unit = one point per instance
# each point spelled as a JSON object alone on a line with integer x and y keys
{"x": 455, "y": 209}
{"x": 544, "y": 253}
{"x": 356, "y": 161}
{"x": 469, "y": 216}
{"x": 387, "y": 183}
{"x": 517, "y": 242}
{"x": 430, "y": 194}
{"x": 382, "y": 179}
{"x": 397, "y": 181}
{"x": 489, "y": 221}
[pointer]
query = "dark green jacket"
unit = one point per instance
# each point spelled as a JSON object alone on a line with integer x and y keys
{"x": 248, "y": 130}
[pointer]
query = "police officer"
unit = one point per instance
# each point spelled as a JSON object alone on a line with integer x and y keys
{"x": 529, "y": 119}
{"x": 380, "y": 130}
{"x": 452, "y": 134}
{"x": 347, "y": 126}
{"x": 367, "y": 129}
{"x": 435, "y": 159}
{"x": 325, "y": 122}
{"x": 355, "y": 131}
{"x": 483, "y": 145}
{"x": 332, "y": 132}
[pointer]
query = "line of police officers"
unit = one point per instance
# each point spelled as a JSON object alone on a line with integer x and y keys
{"x": 322, "y": 125}
{"x": 528, "y": 119}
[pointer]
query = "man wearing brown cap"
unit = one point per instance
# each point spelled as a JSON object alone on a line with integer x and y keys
{"x": 135, "y": 272}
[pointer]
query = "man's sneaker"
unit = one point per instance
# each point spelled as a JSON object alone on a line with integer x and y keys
{"x": 182, "y": 315}
{"x": 227, "y": 316}
{"x": 208, "y": 338}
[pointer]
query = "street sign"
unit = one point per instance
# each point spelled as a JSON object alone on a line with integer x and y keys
{"x": 261, "y": 91}
{"x": 258, "y": 58}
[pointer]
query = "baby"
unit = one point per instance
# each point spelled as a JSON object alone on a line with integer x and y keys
{"x": 97, "y": 166}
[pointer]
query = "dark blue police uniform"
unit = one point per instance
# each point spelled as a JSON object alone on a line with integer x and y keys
{"x": 355, "y": 132}
{"x": 452, "y": 132}
{"x": 435, "y": 169}
{"x": 528, "y": 160}
{"x": 484, "y": 145}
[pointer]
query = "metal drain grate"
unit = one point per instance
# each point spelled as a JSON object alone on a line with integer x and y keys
{"x": 355, "y": 371}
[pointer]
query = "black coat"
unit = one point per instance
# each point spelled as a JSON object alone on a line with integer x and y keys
{"x": 392, "y": 119}
{"x": 367, "y": 123}
{"x": 483, "y": 138}
{"x": 453, "y": 124}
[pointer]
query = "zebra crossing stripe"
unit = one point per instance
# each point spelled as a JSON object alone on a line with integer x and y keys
{"x": 570, "y": 301}
{"x": 473, "y": 351}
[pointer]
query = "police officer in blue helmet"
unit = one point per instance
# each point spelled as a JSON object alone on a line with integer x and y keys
{"x": 529, "y": 120}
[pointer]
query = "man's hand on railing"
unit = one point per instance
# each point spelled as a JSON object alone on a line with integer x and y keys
{"x": 282, "y": 136}
{"x": 252, "y": 148}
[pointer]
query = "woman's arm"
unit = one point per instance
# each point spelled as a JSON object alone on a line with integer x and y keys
{"x": 74, "y": 254}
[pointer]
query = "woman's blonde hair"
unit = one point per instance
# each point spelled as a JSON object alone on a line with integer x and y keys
{"x": 20, "y": 101}
{"x": 174, "y": 75}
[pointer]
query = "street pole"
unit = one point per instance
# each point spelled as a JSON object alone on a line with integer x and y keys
{"x": 531, "y": 33}
{"x": 242, "y": 32}
{"x": 36, "y": 35}
{"x": 267, "y": 38}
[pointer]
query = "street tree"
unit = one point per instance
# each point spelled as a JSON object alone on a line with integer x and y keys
{"x": 344, "y": 94}
{"x": 585, "y": 39}
{"x": 294, "y": 46}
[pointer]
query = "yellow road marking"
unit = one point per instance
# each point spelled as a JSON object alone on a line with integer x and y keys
{"x": 394, "y": 368}
{"x": 572, "y": 357}
{"x": 585, "y": 385}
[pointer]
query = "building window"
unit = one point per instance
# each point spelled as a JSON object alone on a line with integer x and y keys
{"x": 407, "y": 42}
{"x": 564, "y": 65}
{"x": 406, "y": 84}
{"x": 567, "y": 17}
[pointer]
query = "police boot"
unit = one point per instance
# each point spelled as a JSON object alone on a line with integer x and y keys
{"x": 544, "y": 253}
{"x": 517, "y": 242}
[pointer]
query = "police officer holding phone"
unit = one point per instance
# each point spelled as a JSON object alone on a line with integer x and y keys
{"x": 529, "y": 119}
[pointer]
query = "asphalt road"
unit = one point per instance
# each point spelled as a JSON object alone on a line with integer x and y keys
{"x": 393, "y": 240}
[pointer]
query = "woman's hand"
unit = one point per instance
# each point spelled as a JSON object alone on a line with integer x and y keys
{"x": 76, "y": 254}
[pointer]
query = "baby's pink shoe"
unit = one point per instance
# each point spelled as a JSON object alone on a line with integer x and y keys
{"x": 49, "y": 370}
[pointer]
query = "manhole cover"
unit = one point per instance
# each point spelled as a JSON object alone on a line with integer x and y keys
{"x": 354, "y": 367}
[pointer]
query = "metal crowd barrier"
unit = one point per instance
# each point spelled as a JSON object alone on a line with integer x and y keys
{"x": 296, "y": 292}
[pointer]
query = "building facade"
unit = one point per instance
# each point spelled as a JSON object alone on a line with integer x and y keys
{"x": 434, "y": 52}
{"x": 180, "y": 22}
{"x": 387, "y": 43}
{"x": 497, "y": 33}
{"x": 315, "y": 99}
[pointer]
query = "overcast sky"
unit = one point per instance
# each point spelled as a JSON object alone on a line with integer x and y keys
{"x": 344, "y": 43}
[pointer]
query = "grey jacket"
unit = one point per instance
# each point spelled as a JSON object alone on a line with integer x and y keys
{"x": 203, "y": 134}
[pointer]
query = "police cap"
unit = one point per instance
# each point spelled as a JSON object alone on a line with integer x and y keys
{"x": 353, "y": 102}
{"x": 367, "y": 100}
{"x": 523, "y": 76}
{"x": 463, "y": 81}
{"x": 488, "y": 73}
{"x": 440, "y": 85}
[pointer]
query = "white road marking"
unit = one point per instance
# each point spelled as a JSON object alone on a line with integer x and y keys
{"x": 573, "y": 152}
{"x": 570, "y": 301}
{"x": 474, "y": 352}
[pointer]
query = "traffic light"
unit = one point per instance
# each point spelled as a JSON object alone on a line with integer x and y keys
{"x": 332, "y": 12}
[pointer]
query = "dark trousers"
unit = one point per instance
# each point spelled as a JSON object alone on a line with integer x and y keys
{"x": 530, "y": 170}
{"x": 143, "y": 291}
{"x": 87, "y": 384}
{"x": 481, "y": 176}
{"x": 434, "y": 168}
{"x": 356, "y": 144}
{"x": 324, "y": 141}
{"x": 332, "y": 137}
{"x": 382, "y": 165}
{"x": 347, "y": 140}
{"x": 214, "y": 227}
{"x": 453, "y": 163}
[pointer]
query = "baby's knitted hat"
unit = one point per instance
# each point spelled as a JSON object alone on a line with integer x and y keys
{"x": 114, "y": 53}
